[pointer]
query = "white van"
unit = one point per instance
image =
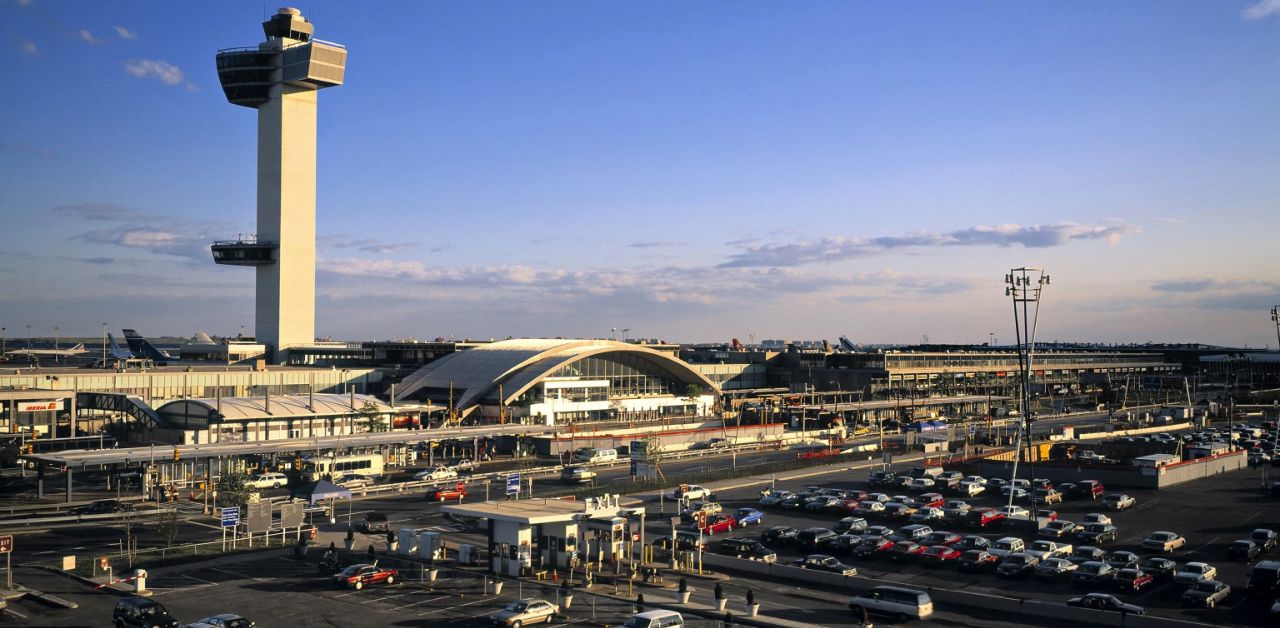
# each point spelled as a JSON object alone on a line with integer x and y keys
{"x": 896, "y": 602}
{"x": 655, "y": 619}
{"x": 597, "y": 456}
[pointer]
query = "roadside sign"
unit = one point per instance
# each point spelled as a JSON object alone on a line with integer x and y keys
{"x": 230, "y": 517}
{"x": 258, "y": 517}
{"x": 291, "y": 514}
{"x": 637, "y": 450}
{"x": 973, "y": 429}
{"x": 6, "y": 544}
{"x": 513, "y": 484}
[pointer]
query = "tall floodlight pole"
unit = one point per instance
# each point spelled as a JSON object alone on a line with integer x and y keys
{"x": 1275, "y": 318}
{"x": 1024, "y": 285}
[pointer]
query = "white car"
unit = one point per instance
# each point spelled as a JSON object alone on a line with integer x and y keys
{"x": 1194, "y": 572}
{"x": 1096, "y": 517}
{"x": 972, "y": 489}
{"x": 267, "y": 480}
{"x": 1119, "y": 501}
{"x": 441, "y": 472}
{"x": 920, "y": 484}
{"x": 691, "y": 492}
{"x": 1049, "y": 549}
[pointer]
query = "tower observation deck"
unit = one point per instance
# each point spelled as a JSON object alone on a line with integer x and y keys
{"x": 280, "y": 78}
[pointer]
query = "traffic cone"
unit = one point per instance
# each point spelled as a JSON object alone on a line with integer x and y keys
{"x": 555, "y": 574}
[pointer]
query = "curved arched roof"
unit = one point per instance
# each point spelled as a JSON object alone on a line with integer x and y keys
{"x": 518, "y": 365}
{"x": 282, "y": 407}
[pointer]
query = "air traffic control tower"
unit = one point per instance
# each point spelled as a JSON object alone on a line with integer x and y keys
{"x": 280, "y": 78}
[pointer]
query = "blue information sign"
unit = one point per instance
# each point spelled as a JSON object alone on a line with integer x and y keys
{"x": 513, "y": 484}
{"x": 230, "y": 517}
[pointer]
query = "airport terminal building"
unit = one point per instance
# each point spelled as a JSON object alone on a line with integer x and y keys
{"x": 558, "y": 381}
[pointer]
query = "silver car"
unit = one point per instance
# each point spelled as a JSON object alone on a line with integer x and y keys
{"x": 521, "y": 612}
{"x": 1206, "y": 593}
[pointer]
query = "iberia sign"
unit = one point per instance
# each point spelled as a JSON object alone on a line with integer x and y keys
{"x": 39, "y": 406}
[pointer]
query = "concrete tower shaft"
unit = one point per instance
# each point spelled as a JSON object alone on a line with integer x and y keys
{"x": 280, "y": 78}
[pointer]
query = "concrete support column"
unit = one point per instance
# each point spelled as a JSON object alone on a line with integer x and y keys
{"x": 40, "y": 481}
{"x": 69, "y": 491}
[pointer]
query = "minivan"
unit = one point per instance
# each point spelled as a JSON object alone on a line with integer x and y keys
{"x": 597, "y": 456}
{"x": 655, "y": 619}
{"x": 898, "y": 602}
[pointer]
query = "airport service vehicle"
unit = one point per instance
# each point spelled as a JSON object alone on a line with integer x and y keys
{"x": 1105, "y": 602}
{"x": 1163, "y": 541}
{"x": 521, "y": 612}
{"x": 363, "y": 575}
{"x": 370, "y": 465}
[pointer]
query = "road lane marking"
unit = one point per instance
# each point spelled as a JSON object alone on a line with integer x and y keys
{"x": 449, "y": 608}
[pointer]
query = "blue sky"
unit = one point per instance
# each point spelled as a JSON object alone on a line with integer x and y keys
{"x": 691, "y": 171}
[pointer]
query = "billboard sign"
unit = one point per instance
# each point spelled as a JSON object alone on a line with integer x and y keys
{"x": 40, "y": 406}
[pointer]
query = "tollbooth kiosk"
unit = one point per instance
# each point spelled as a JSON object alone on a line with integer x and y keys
{"x": 529, "y": 536}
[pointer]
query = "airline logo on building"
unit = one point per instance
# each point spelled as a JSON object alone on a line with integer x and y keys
{"x": 39, "y": 406}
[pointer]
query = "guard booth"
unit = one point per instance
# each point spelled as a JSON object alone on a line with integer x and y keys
{"x": 527, "y": 537}
{"x": 606, "y": 539}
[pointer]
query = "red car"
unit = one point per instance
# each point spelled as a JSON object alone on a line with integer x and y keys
{"x": 941, "y": 537}
{"x": 447, "y": 493}
{"x": 939, "y": 554}
{"x": 930, "y": 500}
{"x": 984, "y": 517}
{"x": 1132, "y": 580}
{"x": 872, "y": 546}
{"x": 718, "y": 523}
{"x": 905, "y": 550}
{"x": 359, "y": 576}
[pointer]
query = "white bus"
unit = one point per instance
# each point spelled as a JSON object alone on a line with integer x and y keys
{"x": 360, "y": 464}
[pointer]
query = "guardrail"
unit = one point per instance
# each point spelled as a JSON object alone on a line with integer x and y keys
{"x": 12, "y": 510}
{"x": 137, "y": 514}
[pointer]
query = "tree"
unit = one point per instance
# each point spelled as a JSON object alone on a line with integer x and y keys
{"x": 233, "y": 489}
{"x": 693, "y": 396}
{"x": 167, "y": 527}
{"x": 372, "y": 419}
{"x": 652, "y": 452}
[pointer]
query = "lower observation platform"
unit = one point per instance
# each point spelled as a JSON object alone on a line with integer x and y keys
{"x": 244, "y": 253}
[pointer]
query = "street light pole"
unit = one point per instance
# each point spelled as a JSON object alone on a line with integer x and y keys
{"x": 104, "y": 344}
{"x": 1275, "y": 318}
{"x": 1024, "y": 285}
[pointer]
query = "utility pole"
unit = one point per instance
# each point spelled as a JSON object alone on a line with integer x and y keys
{"x": 1024, "y": 285}
{"x": 104, "y": 344}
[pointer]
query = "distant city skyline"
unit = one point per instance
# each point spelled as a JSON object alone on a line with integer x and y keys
{"x": 689, "y": 172}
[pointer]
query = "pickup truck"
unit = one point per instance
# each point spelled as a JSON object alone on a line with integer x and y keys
{"x": 1049, "y": 549}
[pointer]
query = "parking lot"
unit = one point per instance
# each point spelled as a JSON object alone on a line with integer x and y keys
{"x": 1211, "y": 513}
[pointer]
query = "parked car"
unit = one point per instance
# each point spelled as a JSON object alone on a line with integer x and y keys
{"x": 747, "y": 516}
{"x": 905, "y": 550}
{"x": 1085, "y": 553}
{"x": 849, "y": 524}
{"x": 1243, "y": 549}
{"x": 1266, "y": 538}
{"x": 690, "y": 491}
{"x": 1007, "y": 545}
{"x": 1206, "y": 593}
{"x": 1055, "y": 569}
{"x": 1017, "y": 564}
{"x": 1163, "y": 541}
{"x": 977, "y": 560}
{"x": 141, "y": 612}
{"x": 898, "y": 602}
{"x": 1123, "y": 560}
{"x": 823, "y": 562}
{"x": 973, "y": 542}
{"x": 1132, "y": 580}
{"x": 361, "y": 575}
{"x": 1048, "y": 496}
{"x": 884, "y": 531}
{"x": 1058, "y": 528}
{"x": 1096, "y": 517}
{"x": 773, "y": 499}
{"x": 814, "y": 538}
{"x": 939, "y": 555}
{"x": 914, "y": 532}
{"x": 447, "y": 493}
{"x": 940, "y": 537}
{"x": 983, "y": 517}
{"x": 375, "y": 523}
{"x": 747, "y": 548}
{"x": 1045, "y": 514}
{"x": 1159, "y": 568}
{"x": 685, "y": 542}
{"x": 926, "y": 515}
{"x": 1190, "y": 573}
{"x": 1119, "y": 501}
{"x": 227, "y": 620}
{"x": 521, "y": 612}
{"x": 1093, "y": 573}
{"x": 844, "y": 544}
{"x": 1088, "y": 489}
{"x": 1104, "y": 602}
{"x": 1098, "y": 533}
{"x": 1049, "y": 549}
{"x": 779, "y": 535}
{"x": 715, "y": 524}
{"x": 872, "y": 546}
{"x": 655, "y": 619}
{"x": 882, "y": 478}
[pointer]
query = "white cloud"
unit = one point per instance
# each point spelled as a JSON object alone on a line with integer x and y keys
{"x": 29, "y": 47}
{"x": 24, "y": 3}
{"x": 167, "y": 73}
{"x": 836, "y": 249}
{"x": 125, "y": 33}
{"x": 88, "y": 37}
{"x": 1261, "y": 9}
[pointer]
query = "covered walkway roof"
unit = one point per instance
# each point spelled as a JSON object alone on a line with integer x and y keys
{"x": 517, "y": 365}
{"x": 80, "y": 458}
{"x": 275, "y": 407}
